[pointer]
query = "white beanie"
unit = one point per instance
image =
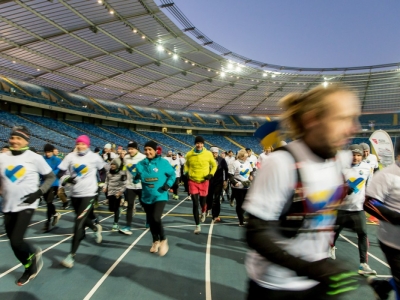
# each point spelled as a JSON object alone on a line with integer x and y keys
{"x": 214, "y": 149}
{"x": 107, "y": 146}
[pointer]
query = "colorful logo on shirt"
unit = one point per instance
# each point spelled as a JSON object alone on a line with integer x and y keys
{"x": 175, "y": 167}
{"x": 80, "y": 170}
{"x": 356, "y": 183}
{"x": 15, "y": 173}
{"x": 131, "y": 168}
{"x": 245, "y": 173}
{"x": 323, "y": 199}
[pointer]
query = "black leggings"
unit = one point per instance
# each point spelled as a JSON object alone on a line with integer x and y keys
{"x": 16, "y": 224}
{"x": 49, "y": 197}
{"x": 114, "y": 204}
{"x": 175, "y": 186}
{"x": 213, "y": 199}
{"x": 203, "y": 203}
{"x": 153, "y": 214}
{"x": 83, "y": 208}
{"x": 393, "y": 259}
{"x": 131, "y": 196}
{"x": 356, "y": 221}
{"x": 239, "y": 195}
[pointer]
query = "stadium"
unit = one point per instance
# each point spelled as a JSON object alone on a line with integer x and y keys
{"x": 121, "y": 71}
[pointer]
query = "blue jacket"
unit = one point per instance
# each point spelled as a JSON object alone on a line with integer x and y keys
{"x": 154, "y": 174}
{"x": 53, "y": 162}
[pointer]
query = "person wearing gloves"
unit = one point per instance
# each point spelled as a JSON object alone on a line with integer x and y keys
{"x": 200, "y": 167}
{"x": 114, "y": 187}
{"x": 176, "y": 165}
{"x": 108, "y": 155}
{"x": 82, "y": 166}
{"x": 157, "y": 177}
{"x": 20, "y": 170}
{"x": 240, "y": 177}
{"x": 292, "y": 201}
{"x": 134, "y": 186}
{"x": 53, "y": 161}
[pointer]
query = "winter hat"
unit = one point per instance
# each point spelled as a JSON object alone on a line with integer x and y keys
{"x": 116, "y": 162}
{"x": 214, "y": 149}
{"x": 21, "y": 131}
{"x": 159, "y": 150}
{"x": 83, "y": 139}
{"x": 133, "y": 144}
{"x": 48, "y": 148}
{"x": 151, "y": 144}
{"x": 107, "y": 146}
{"x": 199, "y": 139}
{"x": 248, "y": 149}
{"x": 364, "y": 146}
{"x": 356, "y": 149}
{"x": 96, "y": 150}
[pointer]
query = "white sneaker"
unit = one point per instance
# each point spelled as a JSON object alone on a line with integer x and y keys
{"x": 332, "y": 252}
{"x": 208, "y": 213}
{"x": 364, "y": 269}
{"x": 163, "y": 249}
{"x": 197, "y": 230}
{"x": 155, "y": 246}
{"x": 203, "y": 217}
{"x": 97, "y": 234}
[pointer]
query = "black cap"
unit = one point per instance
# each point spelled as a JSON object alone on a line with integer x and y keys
{"x": 248, "y": 149}
{"x": 199, "y": 139}
{"x": 96, "y": 150}
{"x": 133, "y": 144}
{"x": 48, "y": 148}
{"x": 21, "y": 131}
{"x": 151, "y": 144}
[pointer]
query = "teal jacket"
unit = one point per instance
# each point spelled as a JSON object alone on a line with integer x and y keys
{"x": 154, "y": 174}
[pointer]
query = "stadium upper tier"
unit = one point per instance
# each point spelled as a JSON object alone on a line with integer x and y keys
{"x": 132, "y": 53}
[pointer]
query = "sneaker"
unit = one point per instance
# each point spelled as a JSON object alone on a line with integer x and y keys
{"x": 115, "y": 227}
{"x": 203, "y": 217}
{"x": 332, "y": 252}
{"x": 125, "y": 204}
{"x": 175, "y": 197}
{"x": 197, "y": 230}
{"x": 381, "y": 288}
{"x": 232, "y": 203}
{"x": 97, "y": 234}
{"x": 163, "y": 249}
{"x": 154, "y": 247}
{"x": 208, "y": 213}
{"x": 95, "y": 221}
{"x": 56, "y": 218}
{"x": 126, "y": 230}
{"x": 241, "y": 225}
{"x": 147, "y": 225}
{"x": 68, "y": 262}
{"x": 364, "y": 269}
{"x": 46, "y": 227}
{"x": 217, "y": 219}
{"x": 34, "y": 269}
{"x": 96, "y": 204}
{"x": 65, "y": 205}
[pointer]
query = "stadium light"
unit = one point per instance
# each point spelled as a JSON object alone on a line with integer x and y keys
{"x": 134, "y": 30}
{"x": 160, "y": 48}
{"x": 175, "y": 56}
{"x": 325, "y": 84}
{"x": 222, "y": 74}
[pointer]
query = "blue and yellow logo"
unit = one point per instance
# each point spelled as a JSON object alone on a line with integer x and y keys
{"x": 245, "y": 173}
{"x": 80, "y": 169}
{"x": 131, "y": 168}
{"x": 175, "y": 167}
{"x": 356, "y": 183}
{"x": 15, "y": 173}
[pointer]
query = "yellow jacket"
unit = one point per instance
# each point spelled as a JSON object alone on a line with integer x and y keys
{"x": 199, "y": 165}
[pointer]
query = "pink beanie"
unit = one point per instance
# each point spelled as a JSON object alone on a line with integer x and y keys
{"x": 83, "y": 139}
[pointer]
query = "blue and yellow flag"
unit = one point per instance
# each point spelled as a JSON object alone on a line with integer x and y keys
{"x": 268, "y": 134}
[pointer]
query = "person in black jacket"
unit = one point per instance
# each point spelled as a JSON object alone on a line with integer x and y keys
{"x": 217, "y": 183}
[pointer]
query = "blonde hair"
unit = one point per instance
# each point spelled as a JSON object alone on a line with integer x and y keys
{"x": 241, "y": 153}
{"x": 295, "y": 105}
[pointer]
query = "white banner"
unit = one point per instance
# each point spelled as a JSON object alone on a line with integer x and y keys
{"x": 382, "y": 147}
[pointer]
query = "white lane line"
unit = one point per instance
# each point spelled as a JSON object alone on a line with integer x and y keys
{"x": 45, "y": 250}
{"x": 369, "y": 254}
{"x": 104, "y": 277}
{"x": 38, "y": 207}
{"x": 208, "y": 263}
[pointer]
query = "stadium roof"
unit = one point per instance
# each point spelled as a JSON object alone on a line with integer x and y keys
{"x": 130, "y": 51}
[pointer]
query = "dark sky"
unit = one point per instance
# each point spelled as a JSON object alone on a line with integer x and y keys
{"x": 301, "y": 33}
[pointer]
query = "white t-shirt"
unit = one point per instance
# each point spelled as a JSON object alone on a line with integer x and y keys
{"x": 130, "y": 167}
{"x": 357, "y": 178}
{"x": 385, "y": 187}
{"x": 20, "y": 176}
{"x": 252, "y": 159}
{"x": 260, "y": 159}
{"x": 176, "y": 165}
{"x": 229, "y": 160}
{"x": 240, "y": 171}
{"x": 372, "y": 161}
{"x": 273, "y": 187}
{"x": 84, "y": 169}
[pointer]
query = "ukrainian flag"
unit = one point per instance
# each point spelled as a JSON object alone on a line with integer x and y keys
{"x": 268, "y": 134}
